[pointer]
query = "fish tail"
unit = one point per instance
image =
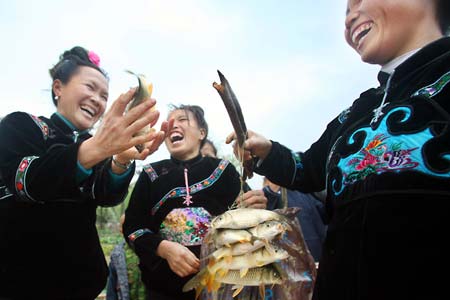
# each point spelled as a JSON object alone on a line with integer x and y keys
{"x": 195, "y": 282}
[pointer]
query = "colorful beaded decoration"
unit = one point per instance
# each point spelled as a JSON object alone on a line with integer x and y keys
{"x": 150, "y": 172}
{"x": 434, "y": 88}
{"x": 138, "y": 233}
{"x": 21, "y": 175}
{"x": 42, "y": 125}
{"x": 195, "y": 188}
{"x": 187, "y": 226}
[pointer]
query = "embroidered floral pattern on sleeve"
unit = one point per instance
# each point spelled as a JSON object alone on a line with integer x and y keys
{"x": 42, "y": 125}
{"x": 21, "y": 174}
{"x": 150, "y": 172}
{"x": 195, "y": 188}
{"x": 187, "y": 226}
{"x": 434, "y": 88}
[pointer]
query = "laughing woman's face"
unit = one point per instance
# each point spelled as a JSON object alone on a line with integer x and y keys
{"x": 381, "y": 30}
{"x": 184, "y": 140}
{"x": 82, "y": 100}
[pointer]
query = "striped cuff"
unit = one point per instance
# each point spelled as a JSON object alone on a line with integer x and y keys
{"x": 138, "y": 233}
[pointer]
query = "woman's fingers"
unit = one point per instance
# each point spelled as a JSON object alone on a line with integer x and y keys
{"x": 167, "y": 126}
{"x": 154, "y": 139}
{"x": 143, "y": 122}
{"x": 183, "y": 262}
{"x": 151, "y": 142}
{"x": 143, "y": 110}
{"x": 254, "y": 199}
{"x": 119, "y": 130}
{"x": 119, "y": 106}
{"x": 231, "y": 137}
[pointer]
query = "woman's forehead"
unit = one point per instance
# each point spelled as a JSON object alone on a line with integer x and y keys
{"x": 178, "y": 113}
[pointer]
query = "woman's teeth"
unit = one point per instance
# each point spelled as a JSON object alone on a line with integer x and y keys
{"x": 88, "y": 111}
{"x": 176, "y": 137}
{"x": 360, "y": 32}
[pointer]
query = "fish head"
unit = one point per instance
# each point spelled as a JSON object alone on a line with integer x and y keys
{"x": 270, "y": 229}
{"x": 278, "y": 253}
{"x": 144, "y": 91}
{"x": 221, "y": 220}
{"x": 271, "y": 276}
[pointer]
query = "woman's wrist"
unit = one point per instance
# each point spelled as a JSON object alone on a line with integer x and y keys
{"x": 89, "y": 154}
{"x": 265, "y": 150}
{"x": 121, "y": 164}
{"x": 161, "y": 251}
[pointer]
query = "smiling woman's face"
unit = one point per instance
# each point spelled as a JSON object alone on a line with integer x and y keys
{"x": 381, "y": 30}
{"x": 82, "y": 100}
{"x": 184, "y": 140}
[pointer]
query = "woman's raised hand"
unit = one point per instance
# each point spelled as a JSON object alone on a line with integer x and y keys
{"x": 255, "y": 145}
{"x": 117, "y": 132}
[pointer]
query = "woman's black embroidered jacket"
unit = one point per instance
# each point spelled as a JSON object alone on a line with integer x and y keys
{"x": 386, "y": 169}
{"x": 49, "y": 246}
{"x": 157, "y": 211}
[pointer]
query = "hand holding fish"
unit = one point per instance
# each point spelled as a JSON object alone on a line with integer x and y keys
{"x": 156, "y": 139}
{"x": 255, "y": 145}
{"x": 180, "y": 259}
{"x": 252, "y": 199}
{"x": 117, "y": 130}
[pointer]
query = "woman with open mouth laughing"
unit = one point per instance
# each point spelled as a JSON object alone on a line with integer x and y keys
{"x": 54, "y": 174}
{"x": 384, "y": 161}
{"x": 173, "y": 203}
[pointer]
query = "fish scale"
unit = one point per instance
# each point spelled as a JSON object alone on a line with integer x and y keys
{"x": 254, "y": 277}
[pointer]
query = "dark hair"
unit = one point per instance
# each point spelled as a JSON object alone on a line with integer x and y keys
{"x": 443, "y": 15}
{"x": 199, "y": 115}
{"x": 208, "y": 141}
{"x": 68, "y": 64}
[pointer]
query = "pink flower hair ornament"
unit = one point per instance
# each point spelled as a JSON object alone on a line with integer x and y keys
{"x": 94, "y": 58}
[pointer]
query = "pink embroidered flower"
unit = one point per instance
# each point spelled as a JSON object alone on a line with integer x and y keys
{"x": 23, "y": 165}
{"x": 368, "y": 160}
{"x": 94, "y": 58}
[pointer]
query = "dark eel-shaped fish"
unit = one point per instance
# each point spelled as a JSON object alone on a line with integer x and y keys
{"x": 236, "y": 117}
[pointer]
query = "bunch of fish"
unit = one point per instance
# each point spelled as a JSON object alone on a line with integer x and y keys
{"x": 249, "y": 249}
{"x": 144, "y": 91}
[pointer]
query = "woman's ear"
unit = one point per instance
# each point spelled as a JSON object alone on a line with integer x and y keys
{"x": 202, "y": 134}
{"x": 57, "y": 87}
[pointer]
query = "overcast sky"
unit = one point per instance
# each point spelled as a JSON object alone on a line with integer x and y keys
{"x": 287, "y": 61}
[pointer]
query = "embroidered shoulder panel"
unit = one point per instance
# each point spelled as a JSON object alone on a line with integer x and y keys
{"x": 434, "y": 88}
{"x": 187, "y": 226}
{"x": 42, "y": 125}
{"x": 21, "y": 174}
{"x": 383, "y": 152}
{"x": 195, "y": 188}
{"x": 150, "y": 172}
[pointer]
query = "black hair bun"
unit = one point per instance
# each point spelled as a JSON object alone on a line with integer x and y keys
{"x": 77, "y": 53}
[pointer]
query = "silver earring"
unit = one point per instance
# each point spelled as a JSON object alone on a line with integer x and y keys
{"x": 56, "y": 98}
